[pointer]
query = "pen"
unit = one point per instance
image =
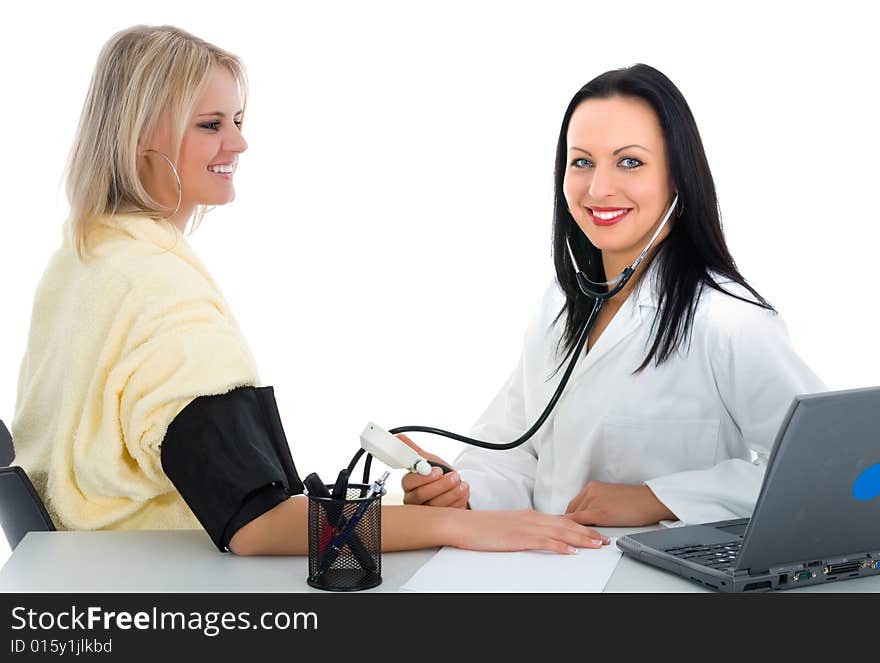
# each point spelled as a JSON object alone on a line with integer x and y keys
{"x": 341, "y": 539}
{"x": 334, "y": 520}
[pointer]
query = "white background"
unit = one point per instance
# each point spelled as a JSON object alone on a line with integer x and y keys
{"x": 391, "y": 233}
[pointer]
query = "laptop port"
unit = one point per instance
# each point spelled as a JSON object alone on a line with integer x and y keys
{"x": 758, "y": 586}
{"x": 802, "y": 575}
{"x": 843, "y": 567}
{"x": 783, "y": 578}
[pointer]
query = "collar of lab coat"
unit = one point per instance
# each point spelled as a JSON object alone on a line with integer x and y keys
{"x": 647, "y": 290}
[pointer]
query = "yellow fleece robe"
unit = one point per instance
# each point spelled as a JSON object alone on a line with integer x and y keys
{"x": 119, "y": 344}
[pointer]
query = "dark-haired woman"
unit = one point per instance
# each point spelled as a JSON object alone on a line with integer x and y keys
{"x": 688, "y": 372}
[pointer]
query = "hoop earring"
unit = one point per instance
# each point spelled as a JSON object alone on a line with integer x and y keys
{"x": 680, "y": 208}
{"x": 176, "y": 178}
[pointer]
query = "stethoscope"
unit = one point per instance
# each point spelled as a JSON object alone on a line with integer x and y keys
{"x": 600, "y": 292}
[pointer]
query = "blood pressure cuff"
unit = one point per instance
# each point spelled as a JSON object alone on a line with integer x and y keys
{"x": 228, "y": 457}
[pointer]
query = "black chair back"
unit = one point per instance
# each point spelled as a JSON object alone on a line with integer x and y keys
{"x": 21, "y": 509}
{"x": 7, "y": 451}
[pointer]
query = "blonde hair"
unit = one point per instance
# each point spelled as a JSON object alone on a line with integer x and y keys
{"x": 141, "y": 72}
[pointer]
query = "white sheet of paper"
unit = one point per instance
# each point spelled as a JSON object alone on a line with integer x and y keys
{"x": 454, "y": 570}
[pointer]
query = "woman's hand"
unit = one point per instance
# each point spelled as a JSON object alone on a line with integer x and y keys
{"x": 521, "y": 530}
{"x": 435, "y": 489}
{"x": 618, "y": 505}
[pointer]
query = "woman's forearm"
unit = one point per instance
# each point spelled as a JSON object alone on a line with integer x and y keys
{"x": 413, "y": 527}
{"x": 283, "y": 530}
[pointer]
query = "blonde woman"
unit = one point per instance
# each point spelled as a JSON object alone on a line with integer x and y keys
{"x": 138, "y": 399}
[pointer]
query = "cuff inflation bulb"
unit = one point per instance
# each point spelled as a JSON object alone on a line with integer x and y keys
{"x": 391, "y": 450}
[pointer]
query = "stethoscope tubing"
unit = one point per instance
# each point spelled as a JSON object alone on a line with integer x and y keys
{"x": 582, "y": 340}
{"x": 588, "y": 288}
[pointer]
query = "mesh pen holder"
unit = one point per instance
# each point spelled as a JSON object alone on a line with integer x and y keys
{"x": 345, "y": 556}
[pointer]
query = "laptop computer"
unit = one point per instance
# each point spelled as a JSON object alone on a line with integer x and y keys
{"x": 817, "y": 518}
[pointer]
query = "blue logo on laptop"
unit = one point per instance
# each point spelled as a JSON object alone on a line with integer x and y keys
{"x": 867, "y": 485}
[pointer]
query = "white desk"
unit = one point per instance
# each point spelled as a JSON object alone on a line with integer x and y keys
{"x": 187, "y": 561}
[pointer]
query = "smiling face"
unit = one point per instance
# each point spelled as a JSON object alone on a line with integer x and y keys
{"x": 617, "y": 182}
{"x": 209, "y": 151}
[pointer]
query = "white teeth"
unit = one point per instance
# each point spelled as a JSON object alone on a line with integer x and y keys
{"x": 607, "y": 216}
{"x": 220, "y": 169}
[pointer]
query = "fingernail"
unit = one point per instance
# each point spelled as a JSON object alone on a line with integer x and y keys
{"x": 462, "y": 486}
{"x": 436, "y": 471}
{"x": 572, "y": 551}
{"x": 606, "y": 539}
{"x": 598, "y": 543}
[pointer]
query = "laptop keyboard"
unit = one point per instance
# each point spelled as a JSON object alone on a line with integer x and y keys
{"x": 720, "y": 556}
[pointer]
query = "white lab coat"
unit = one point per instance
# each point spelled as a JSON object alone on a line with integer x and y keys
{"x": 697, "y": 430}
